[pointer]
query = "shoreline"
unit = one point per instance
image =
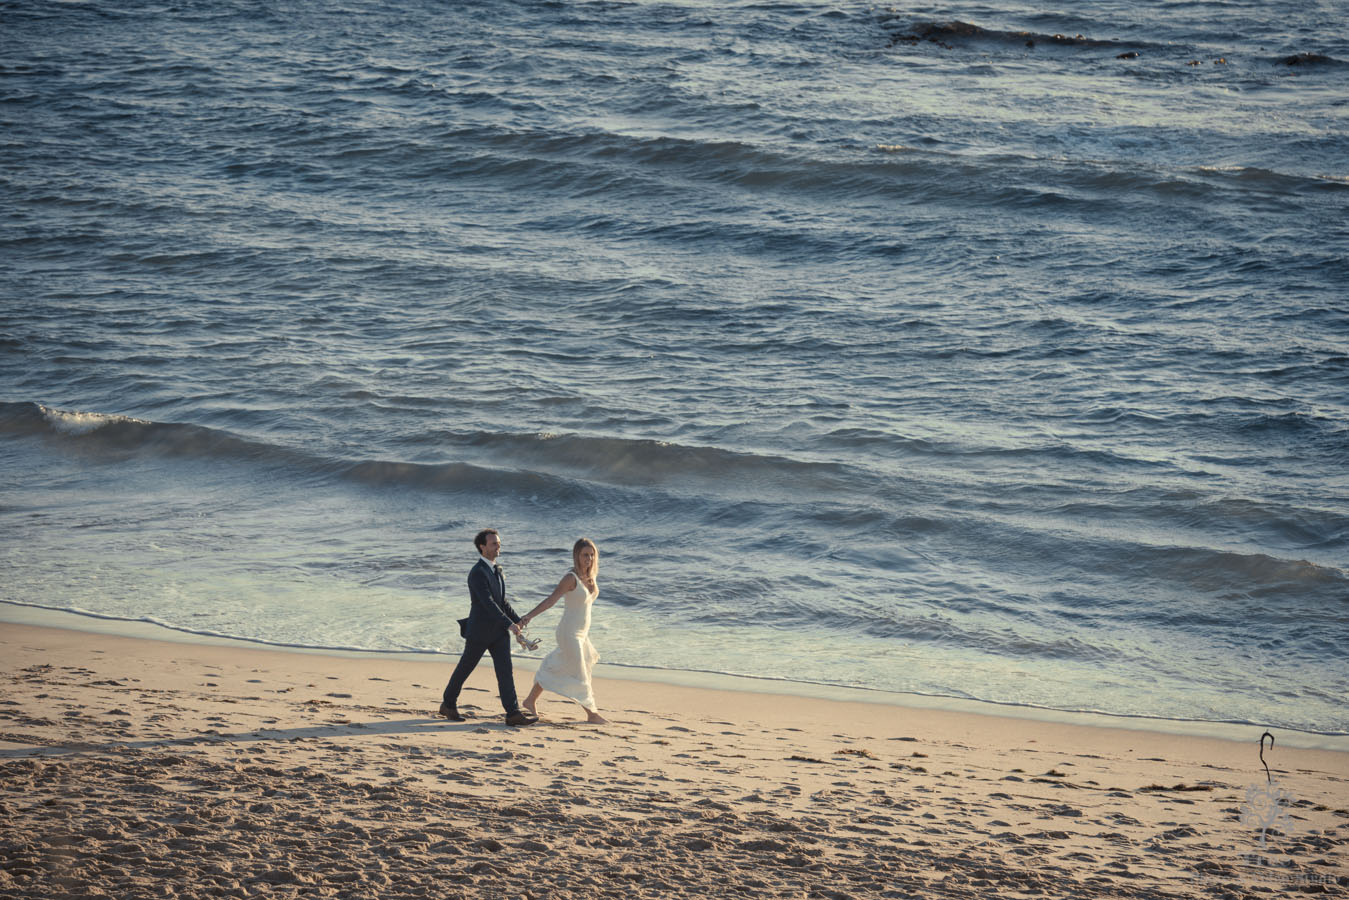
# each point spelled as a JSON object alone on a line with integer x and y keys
{"x": 144, "y": 768}
{"x": 26, "y": 614}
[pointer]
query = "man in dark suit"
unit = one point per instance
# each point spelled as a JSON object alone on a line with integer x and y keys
{"x": 488, "y": 629}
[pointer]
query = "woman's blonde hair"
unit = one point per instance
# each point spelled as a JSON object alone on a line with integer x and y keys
{"x": 576, "y": 558}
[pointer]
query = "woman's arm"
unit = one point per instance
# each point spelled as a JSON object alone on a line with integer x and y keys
{"x": 567, "y": 583}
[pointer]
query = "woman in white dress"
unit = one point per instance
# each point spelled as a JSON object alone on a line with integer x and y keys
{"x": 566, "y": 670}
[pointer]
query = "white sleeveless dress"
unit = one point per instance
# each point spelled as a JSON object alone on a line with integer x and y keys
{"x": 566, "y": 670}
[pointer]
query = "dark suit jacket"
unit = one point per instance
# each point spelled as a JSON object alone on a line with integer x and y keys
{"x": 490, "y": 615}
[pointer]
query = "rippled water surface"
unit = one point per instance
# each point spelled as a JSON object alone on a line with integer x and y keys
{"x": 994, "y": 351}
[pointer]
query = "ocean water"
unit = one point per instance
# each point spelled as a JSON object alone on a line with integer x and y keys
{"x": 986, "y": 350}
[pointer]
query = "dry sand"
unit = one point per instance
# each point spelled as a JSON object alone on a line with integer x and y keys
{"x": 138, "y": 768}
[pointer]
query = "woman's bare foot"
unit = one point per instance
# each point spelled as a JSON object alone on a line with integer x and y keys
{"x": 594, "y": 718}
{"x": 534, "y": 693}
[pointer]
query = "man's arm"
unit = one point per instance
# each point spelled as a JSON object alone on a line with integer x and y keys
{"x": 480, "y": 593}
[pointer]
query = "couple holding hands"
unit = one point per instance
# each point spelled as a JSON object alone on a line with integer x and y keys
{"x": 491, "y": 622}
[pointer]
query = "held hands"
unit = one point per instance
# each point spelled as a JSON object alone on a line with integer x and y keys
{"x": 524, "y": 642}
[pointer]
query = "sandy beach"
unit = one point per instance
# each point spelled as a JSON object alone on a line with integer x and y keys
{"x": 142, "y": 768}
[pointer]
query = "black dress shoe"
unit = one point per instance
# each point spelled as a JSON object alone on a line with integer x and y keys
{"x": 450, "y": 713}
{"x": 520, "y": 718}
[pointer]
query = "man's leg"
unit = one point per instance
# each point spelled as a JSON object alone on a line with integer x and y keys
{"x": 473, "y": 652}
{"x": 501, "y": 661}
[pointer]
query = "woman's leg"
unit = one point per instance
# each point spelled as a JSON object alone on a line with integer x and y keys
{"x": 533, "y": 698}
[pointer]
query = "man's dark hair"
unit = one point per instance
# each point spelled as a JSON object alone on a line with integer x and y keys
{"x": 481, "y": 539}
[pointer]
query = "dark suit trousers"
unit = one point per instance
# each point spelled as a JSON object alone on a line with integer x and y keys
{"x": 501, "y": 661}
